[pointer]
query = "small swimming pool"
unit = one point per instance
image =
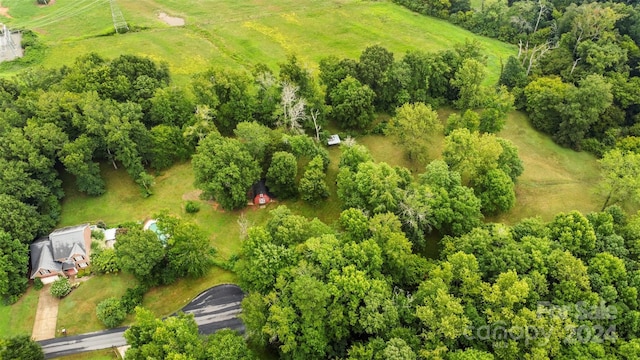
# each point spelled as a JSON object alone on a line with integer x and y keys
{"x": 153, "y": 226}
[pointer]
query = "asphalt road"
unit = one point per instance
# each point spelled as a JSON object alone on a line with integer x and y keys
{"x": 214, "y": 309}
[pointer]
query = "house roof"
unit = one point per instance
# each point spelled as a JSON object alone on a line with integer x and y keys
{"x": 42, "y": 257}
{"x": 68, "y": 241}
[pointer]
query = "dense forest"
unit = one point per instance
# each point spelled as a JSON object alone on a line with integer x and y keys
{"x": 362, "y": 288}
{"x": 577, "y": 69}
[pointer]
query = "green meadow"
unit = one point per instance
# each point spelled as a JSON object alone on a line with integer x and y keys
{"x": 239, "y": 34}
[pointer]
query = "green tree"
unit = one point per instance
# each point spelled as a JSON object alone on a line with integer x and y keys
{"x": 509, "y": 161}
{"x": 313, "y": 185}
{"x": 469, "y": 120}
{"x": 139, "y": 252}
{"x": 104, "y": 261}
{"x": 352, "y": 104}
{"x": 544, "y": 96}
{"x": 188, "y": 249}
{"x": 256, "y": 138}
{"x": 281, "y": 177}
{"x": 496, "y": 192}
{"x": 574, "y": 232}
{"x": 111, "y": 312}
{"x": 353, "y": 155}
{"x": 333, "y": 70}
{"x": 261, "y": 261}
{"x": 20, "y": 347}
{"x": 14, "y": 264}
{"x": 583, "y": 107}
{"x": 620, "y": 176}
{"x": 496, "y": 109}
{"x": 61, "y": 287}
{"x": 77, "y": 157}
{"x": 167, "y": 146}
{"x": 467, "y": 81}
{"x": 412, "y": 125}
{"x": 454, "y": 209}
{"x": 375, "y": 61}
{"x": 18, "y": 219}
{"x": 176, "y": 337}
{"x": 471, "y": 154}
{"x": 513, "y": 74}
{"x": 227, "y": 344}
{"x": 397, "y": 349}
{"x": 374, "y": 187}
{"x": 225, "y": 171}
{"x": 171, "y": 106}
{"x": 227, "y": 94}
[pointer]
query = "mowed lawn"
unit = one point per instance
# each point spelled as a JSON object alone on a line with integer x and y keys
{"x": 77, "y": 311}
{"x": 240, "y": 33}
{"x": 18, "y": 318}
{"x": 555, "y": 179}
{"x": 106, "y": 354}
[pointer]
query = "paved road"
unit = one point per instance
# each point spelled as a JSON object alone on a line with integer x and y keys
{"x": 214, "y": 309}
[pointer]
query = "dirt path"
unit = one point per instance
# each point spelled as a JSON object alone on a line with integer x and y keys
{"x": 44, "y": 327}
{"x": 4, "y": 11}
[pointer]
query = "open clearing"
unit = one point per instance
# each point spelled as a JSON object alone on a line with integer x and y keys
{"x": 239, "y": 34}
{"x": 555, "y": 179}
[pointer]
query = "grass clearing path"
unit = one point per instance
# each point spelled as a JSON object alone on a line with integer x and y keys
{"x": 555, "y": 179}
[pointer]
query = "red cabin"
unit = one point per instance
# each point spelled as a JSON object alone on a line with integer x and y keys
{"x": 260, "y": 194}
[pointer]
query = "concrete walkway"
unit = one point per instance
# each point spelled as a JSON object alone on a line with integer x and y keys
{"x": 44, "y": 327}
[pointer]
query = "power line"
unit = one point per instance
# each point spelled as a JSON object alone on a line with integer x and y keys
{"x": 119, "y": 23}
{"x": 62, "y": 14}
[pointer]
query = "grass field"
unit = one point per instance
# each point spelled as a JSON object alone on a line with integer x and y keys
{"x": 107, "y": 354}
{"x": 18, "y": 318}
{"x": 77, "y": 311}
{"x": 555, "y": 179}
{"x": 239, "y": 34}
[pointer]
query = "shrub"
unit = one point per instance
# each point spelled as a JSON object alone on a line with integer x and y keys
{"x": 111, "y": 312}
{"x": 132, "y": 298}
{"x": 38, "y": 284}
{"x": 105, "y": 261}
{"x": 101, "y": 224}
{"x": 192, "y": 207}
{"x": 97, "y": 234}
{"x": 61, "y": 287}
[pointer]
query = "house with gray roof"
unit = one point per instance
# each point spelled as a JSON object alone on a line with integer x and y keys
{"x": 63, "y": 252}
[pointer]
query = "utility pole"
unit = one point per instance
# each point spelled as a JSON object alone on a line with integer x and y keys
{"x": 119, "y": 23}
{"x": 8, "y": 48}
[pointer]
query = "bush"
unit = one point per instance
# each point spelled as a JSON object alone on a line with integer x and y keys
{"x": 61, "y": 287}
{"x": 111, "y": 312}
{"x": 105, "y": 261}
{"x": 380, "y": 128}
{"x": 97, "y": 234}
{"x": 38, "y": 284}
{"x": 192, "y": 207}
{"x": 101, "y": 224}
{"x": 20, "y": 347}
{"x": 132, "y": 298}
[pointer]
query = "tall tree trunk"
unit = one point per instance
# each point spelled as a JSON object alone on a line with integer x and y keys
{"x": 606, "y": 202}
